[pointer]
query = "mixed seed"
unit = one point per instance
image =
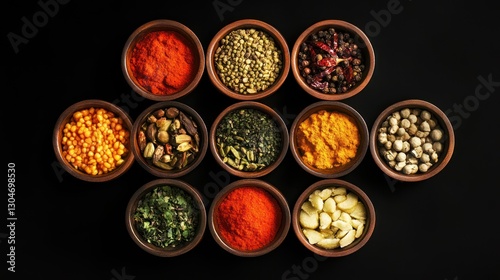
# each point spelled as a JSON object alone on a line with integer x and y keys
{"x": 248, "y": 61}
{"x": 330, "y": 61}
{"x": 248, "y": 139}
{"x": 169, "y": 139}
{"x": 411, "y": 140}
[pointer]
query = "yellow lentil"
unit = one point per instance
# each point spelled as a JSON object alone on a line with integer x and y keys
{"x": 95, "y": 141}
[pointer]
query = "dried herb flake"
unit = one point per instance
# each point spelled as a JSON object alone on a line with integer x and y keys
{"x": 167, "y": 217}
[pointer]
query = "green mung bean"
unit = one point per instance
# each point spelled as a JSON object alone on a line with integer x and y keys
{"x": 248, "y": 61}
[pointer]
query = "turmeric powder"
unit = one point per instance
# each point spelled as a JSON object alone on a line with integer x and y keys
{"x": 328, "y": 139}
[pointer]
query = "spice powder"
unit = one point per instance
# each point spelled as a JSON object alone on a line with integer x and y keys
{"x": 248, "y": 218}
{"x": 328, "y": 139}
{"x": 163, "y": 62}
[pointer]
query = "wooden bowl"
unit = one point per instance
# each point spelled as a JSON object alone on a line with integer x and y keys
{"x": 198, "y": 151}
{"x": 91, "y": 106}
{"x": 168, "y": 251}
{"x": 223, "y": 158}
{"x": 412, "y": 155}
{"x": 216, "y": 45}
{"x": 336, "y": 166}
{"x": 334, "y": 248}
{"x": 191, "y": 40}
{"x": 364, "y": 47}
{"x": 284, "y": 222}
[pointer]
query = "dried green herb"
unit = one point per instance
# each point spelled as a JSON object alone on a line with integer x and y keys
{"x": 167, "y": 216}
{"x": 248, "y": 139}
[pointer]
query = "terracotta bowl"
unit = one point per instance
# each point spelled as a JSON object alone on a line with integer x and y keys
{"x": 70, "y": 144}
{"x": 191, "y": 40}
{"x": 345, "y": 85}
{"x": 411, "y": 164}
{"x": 332, "y": 237}
{"x": 169, "y": 251}
{"x": 181, "y": 151}
{"x": 223, "y": 155}
{"x": 282, "y": 230}
{"x": 216, "y": 48}
{"x": 335, "y": 166}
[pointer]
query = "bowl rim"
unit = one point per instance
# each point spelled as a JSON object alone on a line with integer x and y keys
{"x": 445, "y": 125}
{"x": 275, "y": 192}
{"x": 339, "y": 107}
{"x": 57, "y": 138}
{"x": 247, "y": 23}
{"x": 343, "y": 25}
{"x": 264, "y": 109}
{"x": 163, "y": 24}
{"x": 338, "y": 252}
{"x": 135, "y": 235}
{"x": 188, "y": 110}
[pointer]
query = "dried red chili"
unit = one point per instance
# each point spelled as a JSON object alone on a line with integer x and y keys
{"x": 330, "y": 61}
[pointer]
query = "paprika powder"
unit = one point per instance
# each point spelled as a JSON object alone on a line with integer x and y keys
{"x": 248, "y": 218}
{"x": 163, "y": 62}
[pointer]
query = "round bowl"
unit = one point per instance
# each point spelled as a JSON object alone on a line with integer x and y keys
{"x": 329, "y": 78}
{"x": 169, "y": 139}
{"x": 75, "y": 146}
{"x": 195, "y": 219}
{"x": 333, "y": 218}
{"x": 266, "y": 81}
{"x": 329, "y": 149}
{"x": 153, "y": 81}
{"x": 249, "y": 157}
{"x": 241, "y": 231}
{"x": 421, "y": 139}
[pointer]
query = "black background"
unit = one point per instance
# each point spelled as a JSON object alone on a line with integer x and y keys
{"x": 442, "y": 228}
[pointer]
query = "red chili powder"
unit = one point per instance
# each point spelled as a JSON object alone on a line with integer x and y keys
{"x": 248, "y": 218}
{"x": 163, "y": 62}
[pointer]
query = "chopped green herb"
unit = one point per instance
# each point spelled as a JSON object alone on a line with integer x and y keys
{"x": 248, "y": 139}
{"x": 167, "y": 217}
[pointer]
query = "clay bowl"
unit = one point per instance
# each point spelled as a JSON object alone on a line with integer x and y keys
{"x": 217, "y": 47}
{"x": 108, "y": 169}
{"x": 336, "y": 166}
{"x": 282, "y": 229}
{"x": 223, "y": 155}
{"x": 353, "y": 84}
{"x": 197, "y": 63}
{"x": 182, "y": 151}
{"x": 411, "y": 164}
{"x": 133, "y": 225}
{"x": 330, "y": 242}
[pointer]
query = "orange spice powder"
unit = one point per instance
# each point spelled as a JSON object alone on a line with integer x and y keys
{"x": 328, "y": 139}
{"x": 248, "y": 218}
{"x": 163, "y": 62}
